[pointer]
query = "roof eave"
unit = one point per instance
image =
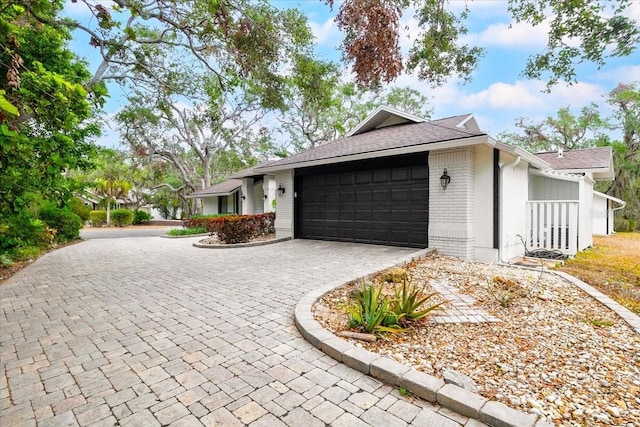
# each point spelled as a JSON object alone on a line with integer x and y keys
{"x": 389, "y": 110}
{"x": 532, "y": 159}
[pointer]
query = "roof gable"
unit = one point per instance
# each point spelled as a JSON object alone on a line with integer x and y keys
{"x": 464, "y": 121}
{"x": 384, "y": 116}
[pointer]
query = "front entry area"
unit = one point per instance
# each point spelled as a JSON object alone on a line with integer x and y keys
{"x": 379, "y": 201}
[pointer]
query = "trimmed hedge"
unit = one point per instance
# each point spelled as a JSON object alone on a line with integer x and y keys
{"x": 120, "y": 217}
{"x": 235, "y": 228}
{"x": 98, "y": 218}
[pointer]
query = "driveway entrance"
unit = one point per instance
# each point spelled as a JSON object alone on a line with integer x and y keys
{"x": 152, "y": 331}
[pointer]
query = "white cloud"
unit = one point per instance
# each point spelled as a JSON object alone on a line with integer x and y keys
{"x": 623, "y": 74}
{"x": 633, "y": 11}
{"x": 326, "y": 33}
{"x": 516, "y": 35}
{"x": 503, "y": 96}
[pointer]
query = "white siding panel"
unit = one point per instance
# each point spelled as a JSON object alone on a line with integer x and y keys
{"x": 483, "y": 209}
{"x": 210, "y": 205}
{"x": 544, "y": 188}
{"x": 514, "y": 184}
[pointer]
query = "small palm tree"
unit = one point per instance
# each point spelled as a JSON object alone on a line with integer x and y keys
{"x": 111, "y": 187}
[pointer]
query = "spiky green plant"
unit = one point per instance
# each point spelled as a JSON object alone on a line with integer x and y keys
{"x": 408, "y": 300}
{"x": 370, "y": 311}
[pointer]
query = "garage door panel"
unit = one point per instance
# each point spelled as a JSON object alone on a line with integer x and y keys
{"x": 385, "y": 203}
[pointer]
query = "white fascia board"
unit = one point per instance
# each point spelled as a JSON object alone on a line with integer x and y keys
{"x": 458, "y": 143}
{"x": 389, "y": 110}
{"x": 608, "y": 173}
{"x": 613, "y": 199}
{"x": 562, "y": 176}
{"x": 526, "y": 156}
{"x": 202, "y": 196}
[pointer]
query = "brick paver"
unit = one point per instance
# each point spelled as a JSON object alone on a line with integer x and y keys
{"x": 151, "y": 331}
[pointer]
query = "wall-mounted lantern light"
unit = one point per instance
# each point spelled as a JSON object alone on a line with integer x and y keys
{"x": 281, "y": 189}
{"x": 445, "y": 179}
{"x": 243, "y": 197}
{"x": 265, "y": 196}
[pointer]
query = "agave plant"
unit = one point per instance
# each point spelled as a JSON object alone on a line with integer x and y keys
{"x": 408, "y": 300}
{"x": 370, "y": 311}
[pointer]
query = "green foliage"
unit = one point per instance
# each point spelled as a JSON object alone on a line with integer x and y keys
{"x": 370, "y": 311}
{"x": 404, "y": 392}
{"x": 409, "y": 300}
{"x": 140, "y": 217}
{"x": 186, "y": 231}
{"x": 121, "y": 217}
{"x": 620, "y": 225}
{"x": 46, "y": 120}
{"x": 5, "y": 260}
{"x": 24, "y": 253}
{"x": 78, "y": 207}
{"x": 98, "y": 218}
{"x": 66, "y": 223}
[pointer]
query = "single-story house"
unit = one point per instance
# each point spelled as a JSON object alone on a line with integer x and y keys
{"x": 398, "y": 179}
{"x": 251, "y": 194}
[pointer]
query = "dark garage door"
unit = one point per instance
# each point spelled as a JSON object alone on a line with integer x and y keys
{"x": 382, "y": 201}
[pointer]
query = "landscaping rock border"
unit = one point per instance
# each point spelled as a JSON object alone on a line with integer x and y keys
{"x": 242, "y": 245}
{"x": 166, "y": 236}
{"x": 422, "y": 385}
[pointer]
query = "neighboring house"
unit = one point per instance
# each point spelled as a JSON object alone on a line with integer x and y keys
{"x": 398, "y": 179}
{"x": 244, "y": 193}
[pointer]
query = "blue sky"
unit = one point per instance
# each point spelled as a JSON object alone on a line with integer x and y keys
{"x": 497, "y": 95}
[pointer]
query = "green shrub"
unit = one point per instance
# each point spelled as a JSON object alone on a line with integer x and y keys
{"x": 371, "y": 312}
{"x": 78, "y": 207}
{"x": 140, "y": 217}
{"x": 633, "y": 225}
{"x": 66, "y": 223}
{"x": 186, "y": 231}
{"x": 121, "y": 217}
{"x": 98, "y": 218}
{"x": 620, "y": 225}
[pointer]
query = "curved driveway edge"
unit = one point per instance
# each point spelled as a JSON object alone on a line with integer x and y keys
{"x": 427, "y": 387}
{"x": 242, "y": 245}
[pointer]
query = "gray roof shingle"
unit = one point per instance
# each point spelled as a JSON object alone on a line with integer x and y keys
{"x": 399, "y": 136}
{"x": 586, "y": 158}
{"x": 222, "y": 189}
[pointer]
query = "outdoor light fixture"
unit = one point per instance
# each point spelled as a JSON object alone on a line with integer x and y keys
{"x": 445, "y": 179}
{"x": 243, "y": 197}
{"x": 280, "y": 189}
{"x": 265, "y": 196}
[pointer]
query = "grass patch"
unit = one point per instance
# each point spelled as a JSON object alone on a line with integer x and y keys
{"x": 612, "y": 266}
{"x": 186, "y": 231}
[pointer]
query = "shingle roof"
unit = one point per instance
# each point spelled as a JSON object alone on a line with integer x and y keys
{"x": 223, "y": 189}
{"x": 451, "y": 122}
{"x": 586, "y": 158}
{"x": 399, "y": 136}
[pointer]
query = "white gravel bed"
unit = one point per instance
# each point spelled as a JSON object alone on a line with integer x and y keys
{"x": 557, "y": 352}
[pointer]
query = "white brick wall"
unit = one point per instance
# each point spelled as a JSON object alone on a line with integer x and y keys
{"x": 284, "y": 205}
{"x": 451, "y": 211}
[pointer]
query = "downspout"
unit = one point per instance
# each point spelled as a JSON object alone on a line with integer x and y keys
{"x": 614, "y": 214}
{"x": 502, "y": 167}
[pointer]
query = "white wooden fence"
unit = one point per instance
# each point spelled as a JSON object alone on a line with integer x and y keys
{"x": 553, "y": 225}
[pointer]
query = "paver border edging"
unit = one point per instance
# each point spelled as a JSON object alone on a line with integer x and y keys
{"x": 632, "y": 319}
{"x": 242, "y": 245}
{"x": 424, "y": 386}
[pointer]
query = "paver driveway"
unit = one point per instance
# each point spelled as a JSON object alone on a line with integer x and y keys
{"x": 151, "y": 331}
